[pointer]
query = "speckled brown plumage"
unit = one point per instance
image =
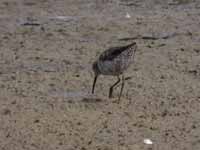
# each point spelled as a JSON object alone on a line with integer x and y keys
{"x": 114, "y": 61}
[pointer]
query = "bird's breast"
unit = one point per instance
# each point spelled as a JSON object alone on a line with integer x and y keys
{"x": 114, "y": 67}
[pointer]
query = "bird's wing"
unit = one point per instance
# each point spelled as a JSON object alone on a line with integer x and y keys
{"x": 112, "y": 53}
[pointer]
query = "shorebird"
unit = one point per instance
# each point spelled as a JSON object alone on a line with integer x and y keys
{"x": 114, "y": 61}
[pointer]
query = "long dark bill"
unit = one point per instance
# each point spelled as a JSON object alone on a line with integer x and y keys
{"x": 95, "y": 79}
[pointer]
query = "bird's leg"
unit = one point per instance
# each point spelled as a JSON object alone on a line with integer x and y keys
{"x": 111, "y": 88}
{"x": 122, "y": 87}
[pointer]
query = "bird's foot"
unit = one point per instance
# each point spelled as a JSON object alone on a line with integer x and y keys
{"x": 116, "y": 101}
{"x": 110, "y": 96}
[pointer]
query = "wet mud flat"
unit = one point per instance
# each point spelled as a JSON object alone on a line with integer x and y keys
{"x": 46, "y": 51}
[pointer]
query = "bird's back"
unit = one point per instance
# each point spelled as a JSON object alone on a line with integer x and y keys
{"x": 116, "y": 60}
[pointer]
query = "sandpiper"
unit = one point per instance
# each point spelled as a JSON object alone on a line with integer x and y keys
{"x": 114, "y": 61}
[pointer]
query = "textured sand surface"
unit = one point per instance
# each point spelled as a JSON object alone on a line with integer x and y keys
{"x": 46, "y": 76}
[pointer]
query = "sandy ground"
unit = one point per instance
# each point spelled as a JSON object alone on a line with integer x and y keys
{"x": 46, "y": 76}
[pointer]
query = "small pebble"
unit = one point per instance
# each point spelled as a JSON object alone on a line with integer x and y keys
{"x": 127, "y": 15}
{"x": 148, "y": 141}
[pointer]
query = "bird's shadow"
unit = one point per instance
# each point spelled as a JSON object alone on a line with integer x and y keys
{"x": 92, "y": 100}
